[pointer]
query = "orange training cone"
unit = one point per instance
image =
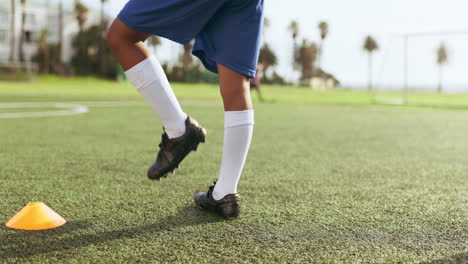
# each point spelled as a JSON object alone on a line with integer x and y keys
{"x": 35, "y": 216}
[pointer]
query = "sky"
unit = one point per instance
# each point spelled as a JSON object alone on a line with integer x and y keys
{"x": 350, "y": 22}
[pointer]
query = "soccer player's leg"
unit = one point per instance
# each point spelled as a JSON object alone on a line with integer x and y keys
{"x": 231, "y": 49}
{"x": 182, "y": 134}
{"x": 238, "y": 129}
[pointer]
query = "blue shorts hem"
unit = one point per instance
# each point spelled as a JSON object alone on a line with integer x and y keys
{"x": 247, "y": 72}
{"x": 210, "y": 64}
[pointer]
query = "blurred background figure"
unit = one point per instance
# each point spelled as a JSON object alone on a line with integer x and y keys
{"x": 255, "y": 82}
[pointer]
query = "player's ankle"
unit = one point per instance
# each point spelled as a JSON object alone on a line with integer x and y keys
{"x": 217, "y": 195}
{"x": 176, "y": 129}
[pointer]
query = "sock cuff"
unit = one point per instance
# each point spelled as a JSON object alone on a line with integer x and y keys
{"x": 144, "y": 73}
{"x": 238, "y": 118}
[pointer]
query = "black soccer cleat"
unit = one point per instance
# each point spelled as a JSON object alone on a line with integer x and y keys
{"x": 173, "y": 151}
{"x": 228, "y": 207}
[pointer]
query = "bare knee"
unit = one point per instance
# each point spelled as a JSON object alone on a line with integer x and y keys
{"x": 233, "y": 92}
{"x": 120, "y": 35}
{"x": 236, "y": 97}
{"x": 237, "y": 102}
{"x": 235, "y": 89}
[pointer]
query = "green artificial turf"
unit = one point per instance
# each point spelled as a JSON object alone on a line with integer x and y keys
{"x": 324, "y": 183}
{"x": 97, "y": 89}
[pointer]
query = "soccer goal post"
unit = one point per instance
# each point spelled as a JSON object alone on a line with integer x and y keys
{"x": 416, "y": 68}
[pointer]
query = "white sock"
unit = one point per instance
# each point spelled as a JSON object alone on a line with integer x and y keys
{"x": 238, "y": 129}
{"x": 150, "y": 81}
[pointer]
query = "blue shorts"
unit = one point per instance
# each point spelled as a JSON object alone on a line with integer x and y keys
{"x": 226, "y": 32}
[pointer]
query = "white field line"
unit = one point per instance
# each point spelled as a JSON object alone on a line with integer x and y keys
{"x": 184, "y": 102}
{"x": 71, "y": 109}
{"x": 109, "y": 103}
{"x": 76, "y": 108}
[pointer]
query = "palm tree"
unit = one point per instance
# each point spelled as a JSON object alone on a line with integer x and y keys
{"x": 267, "y": 57}
{"x": 323, "y": 27}
{"x": 12, "y": 30}
{"x": 442, "y": 59}
{"x": 43, "y": 46}
{"x": 61, "y": 67}
{"x": 186, "y": 58}
{"x": 154, "y": 41}
{"x": 306, "y": 56}
{"x": 266, "y": 25}
{"x": 293, "y": 28}
{"x": 22, "y": 34}
{"x": 103, "y": 17}
{"x": 81, "y": 14}
{"x": 102, "y": 44}
{"x": 266, "y": 22}
{"x": 370, "y": 46}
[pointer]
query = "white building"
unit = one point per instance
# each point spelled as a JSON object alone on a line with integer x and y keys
{"x": 40, "y": 15}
